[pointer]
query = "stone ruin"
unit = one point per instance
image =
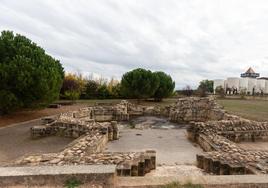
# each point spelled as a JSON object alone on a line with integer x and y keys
{"x": 92, "y": 127}
{"x": 217, "y": 133}
{"x": 214, "y": 130}
{"x": 223, "y": 156}
{"x": 195, "y": 109}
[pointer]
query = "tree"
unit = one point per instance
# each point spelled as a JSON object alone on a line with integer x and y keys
{"x": 139, "y": 83}
{"x": 91, "y": 89}
{"x": 187, "y": 91}
{"x": 116, "y": 91}
{"x": 71, "y": 88}
{"x": 165, "y": 87}
{"x": 220, "y": 91}
{"x": 28, "y": 76}
{"x": 206, "y": 85}
{"x": 103, "y": 92}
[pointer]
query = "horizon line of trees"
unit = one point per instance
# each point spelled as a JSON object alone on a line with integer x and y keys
{"x": 136, "y": 84}
{"x": 205, "y": 87}
{"x": 31, "y": 78}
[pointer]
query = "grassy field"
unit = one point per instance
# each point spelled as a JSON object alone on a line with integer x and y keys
{"x": 250, "y": 109}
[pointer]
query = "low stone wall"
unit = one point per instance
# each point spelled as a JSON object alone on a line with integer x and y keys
{"x": 92, "y": 137}
{"x": 102, "y": 176}
{"x": 224, "y": 156}
{"x": 195, "y": 109}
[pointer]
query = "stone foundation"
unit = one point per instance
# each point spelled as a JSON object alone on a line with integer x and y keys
{"x": 195, "y": 109}
{"x": 58, "y": 176}
{"x": 224, "y": 156}
{"x": 214, "y": 130}
{"x": 93, "y": 127}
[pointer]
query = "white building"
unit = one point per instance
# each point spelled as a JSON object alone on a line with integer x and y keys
{"x": 248, "y": 82}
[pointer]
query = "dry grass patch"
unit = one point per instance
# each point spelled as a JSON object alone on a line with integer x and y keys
{"x": 250, "y": 109}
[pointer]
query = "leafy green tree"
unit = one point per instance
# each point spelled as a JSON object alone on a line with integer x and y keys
{"x": 71, "y": 87}
{"x": 28, "y": 76}
{"x": 103, "y": 92}
{"x": 206, "y": 86}
{"x": 116, "y": 91}
{"x": 165, "y": 87}
{"x": 8, "y": 101}
{"x": 91, "y": 89}
{"x": 139, "y": 83}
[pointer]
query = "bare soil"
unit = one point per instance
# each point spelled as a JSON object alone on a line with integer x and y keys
{"x": 26, "y": 115}
{"x": 16, "y": 142}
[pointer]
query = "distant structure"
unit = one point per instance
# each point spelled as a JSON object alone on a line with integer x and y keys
{"x": 249, "y": 82}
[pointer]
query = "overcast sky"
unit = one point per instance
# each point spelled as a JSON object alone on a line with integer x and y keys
{"x": 189, "y": 39}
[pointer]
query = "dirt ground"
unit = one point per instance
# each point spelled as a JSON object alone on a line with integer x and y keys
{"x": 25, "y": 115}
{"x": 16, "y": 142}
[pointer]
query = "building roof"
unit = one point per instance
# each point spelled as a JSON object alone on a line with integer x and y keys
{"x": 263, "y": 78}
{"x": 250, "y": 70}
{"x": 250, "y": 73}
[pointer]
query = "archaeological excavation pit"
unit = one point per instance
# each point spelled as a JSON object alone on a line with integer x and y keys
{"x": 194, "y": 136}
{"x": 169, "y": 140}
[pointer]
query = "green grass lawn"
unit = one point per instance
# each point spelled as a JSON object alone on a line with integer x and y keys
{"x": 250, "y": 109}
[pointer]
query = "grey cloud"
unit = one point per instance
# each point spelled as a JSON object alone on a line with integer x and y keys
{"x": 191, "y": 40}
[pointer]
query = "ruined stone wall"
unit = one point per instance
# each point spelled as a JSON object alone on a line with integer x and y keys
{"x": 223, "y": 155}
{"x": 195, "y": 109}
{"x": 93, "y": 127}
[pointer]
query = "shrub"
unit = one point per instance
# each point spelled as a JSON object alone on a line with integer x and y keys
{"x": 29, "y": 76}
{"x": 202, "y": 91}
{"x": 72, "y": 183}
{"x": 178, "y": 185}
{"x": 220, "y": 91}
{"x": 71, "y": 95}
{"x": 72, "y": 87}
{"x": 187, "y": 91}
{"x": 243, "y": 93}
